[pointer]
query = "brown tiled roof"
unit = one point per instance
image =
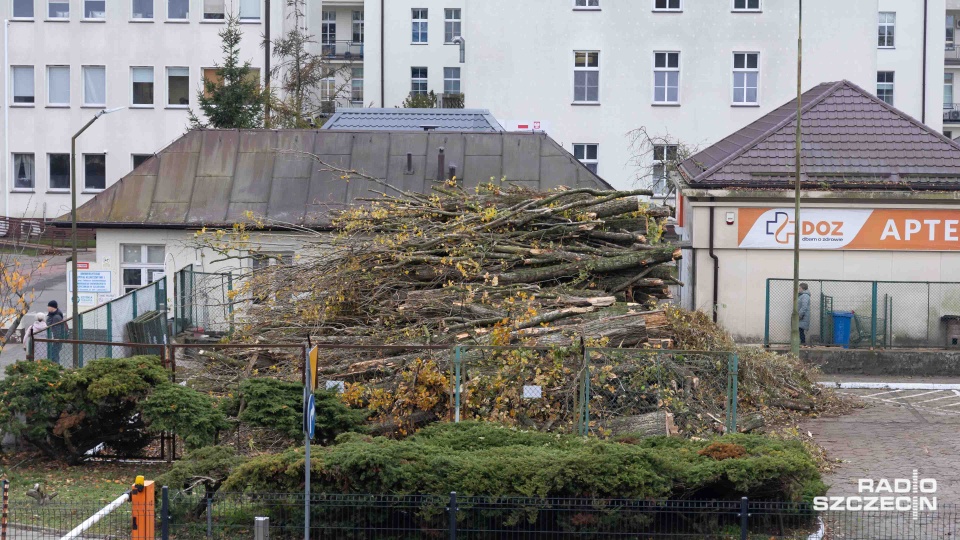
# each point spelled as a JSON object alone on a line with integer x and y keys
{"x": 215, "y": 177}
{"x": 851, "y": 140}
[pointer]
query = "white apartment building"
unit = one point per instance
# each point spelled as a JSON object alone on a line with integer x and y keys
{"x": 591, "y": 71}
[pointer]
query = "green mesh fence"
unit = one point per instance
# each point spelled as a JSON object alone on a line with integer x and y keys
{"x": 139, "y": 316}
{"x": 882, "y": 314}
{"x": 204, "y": 302}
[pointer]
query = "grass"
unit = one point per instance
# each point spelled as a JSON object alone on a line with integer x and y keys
{"x": 91, "y": 482}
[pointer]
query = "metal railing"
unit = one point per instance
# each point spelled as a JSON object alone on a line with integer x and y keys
{"x": 342, "y": 50}
{"x": 203, "y": 302}
{"x": 951, "y": 113}
{"x": 40, "y": 234}
{"x": 881, "y": 314}
{"x": 433, "y": 100}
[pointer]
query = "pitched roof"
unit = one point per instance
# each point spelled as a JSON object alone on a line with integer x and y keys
{"x": 851, "y": 140}
{"x": 214, "y": 177}
{"x": 476, "y": 120}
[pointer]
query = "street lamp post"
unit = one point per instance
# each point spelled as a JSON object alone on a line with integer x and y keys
{"x": 75, "y": 304}
{"x": 795, "y": 318}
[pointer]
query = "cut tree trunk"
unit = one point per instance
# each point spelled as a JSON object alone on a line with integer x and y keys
{"x": 659, "y": 422}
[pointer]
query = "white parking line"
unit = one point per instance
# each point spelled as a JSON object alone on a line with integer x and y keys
{"x": 935, "y": 399}
{"x": 921, "y": 394}
{"x": 882, "y": 393}
{"x": 951, "y": 405}
{"x": 890, "y": 386}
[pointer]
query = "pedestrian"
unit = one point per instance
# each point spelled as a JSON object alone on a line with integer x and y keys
{"x": 54, "y": 316}
{"x": 803, "y": 309}
{"x": 35, "y": 329}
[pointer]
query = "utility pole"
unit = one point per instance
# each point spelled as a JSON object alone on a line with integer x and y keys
{"x": 795, "y": 318}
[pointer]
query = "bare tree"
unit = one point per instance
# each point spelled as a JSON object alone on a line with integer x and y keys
{"x": 657, "y": 160}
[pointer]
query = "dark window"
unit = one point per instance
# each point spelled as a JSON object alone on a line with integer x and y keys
{"x": 673, "y": 5}
{"x": 139, "y": 159}
{"x": 23, "y": 9}
{"x": 94, "y": 171}
{"x": 59, "y": 171}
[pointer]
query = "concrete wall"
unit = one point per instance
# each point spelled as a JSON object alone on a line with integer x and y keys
{"x": 742, "y": 301}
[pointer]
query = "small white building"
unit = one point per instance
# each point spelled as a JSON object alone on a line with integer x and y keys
{"x": 880, "y": 217}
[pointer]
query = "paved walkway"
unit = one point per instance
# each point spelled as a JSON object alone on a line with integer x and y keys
{"x": 897, "y": 432}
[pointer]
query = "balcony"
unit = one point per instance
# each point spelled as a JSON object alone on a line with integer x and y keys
{"x": 433, "y": 100}
{"x": 951, "y": 113}
{"x": 342, "y": 50}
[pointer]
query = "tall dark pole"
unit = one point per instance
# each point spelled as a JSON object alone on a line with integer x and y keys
{"x": 266, "y": 63}
{"x": 795, "y": 318}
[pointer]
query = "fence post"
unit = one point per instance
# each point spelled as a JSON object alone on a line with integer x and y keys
{"x": 230, "y": 301}
{"x": 110, "y": 328}
{"x": 733, "y": 373}
{"x": 5, "y": 514}
{"x": 456, "y": 383}
{"x": 744, "y": 507}
{"x": 766, "y": 319}
{"x": 133, "y": 297}
{"x": 873, "y": 318}
{"x": 209, "y": 515}
{"x": 452, "y": 511}
{"x": 261, "y": 528}
{"x": 78, "y": 347}
{"x": 586, "y": 392}
{"x": 164, "y": 513}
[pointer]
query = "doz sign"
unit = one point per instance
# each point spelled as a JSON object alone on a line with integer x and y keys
{"x": 909, "y": 230}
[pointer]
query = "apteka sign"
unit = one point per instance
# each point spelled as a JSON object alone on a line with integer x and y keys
{"x": 850, "y": 228}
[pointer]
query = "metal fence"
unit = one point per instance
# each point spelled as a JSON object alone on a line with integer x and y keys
{"x": 885, "y": 314}
{"x": 564, "y": 389}
{"x": 123, "y": 327}
{"x": 203, "y": 302}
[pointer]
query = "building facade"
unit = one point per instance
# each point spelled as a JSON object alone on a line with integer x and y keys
{"x": 590, "y": 72}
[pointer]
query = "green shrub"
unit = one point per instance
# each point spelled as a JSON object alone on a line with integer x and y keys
{"x": 184, "y": 411}
{"x": 488, "y": 460}
{"x": 211, "y": 462}
{"x": 32, "y": 389}
{"x": 279, "y": 405}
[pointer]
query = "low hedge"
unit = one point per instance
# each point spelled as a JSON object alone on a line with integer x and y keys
{"x": 479, "y": 459}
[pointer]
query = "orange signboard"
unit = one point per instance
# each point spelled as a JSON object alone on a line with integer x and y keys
{"x": 850, "y": 228}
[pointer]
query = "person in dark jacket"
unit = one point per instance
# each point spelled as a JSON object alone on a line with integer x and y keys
{"x": 54, "y": 316}
{"x": 803, "y": 309}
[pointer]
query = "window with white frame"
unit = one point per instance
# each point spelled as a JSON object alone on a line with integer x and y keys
{"x": 214, "y": 10}
{"x": 94, "y": 86}
{"x": 418, "y": 80}
{"x": 451, "y": 24}
{"x": 249, "y": 10}
{"x": 451, "y": 80}
{"x": 58, "y": 169}
{"x": 141, "y": 9}
{"x": 22, "y": 9}
{"x": 950, "y": 31}
{"x": 948, "y": 134}
{"x": 886, "y": 29}
{"x": 23, "y": 85}
{"x": 94, "y": 9}
{"x": 58, "y": 86}
{"x": 139, "y": 159}
{"x": 419, "y": 24}
{"x": 266, "y": 261}
{"x": 746, "y": 5}
{"x": 666, "y": 77}
{"x": 94, "y": 172}
{"x": 885, "y": 86}
{"x": 586, "y": 76}
{"x": 746, "y": 78}
{"x": 357, "y": 20}
{"x": 586, "y": 4}
{"x": 178, "y": 86}
{"x": 356, "y": 85}
{"x": 24, "y": 172}
{"x": 178, "y": 9}
{"x": 667, "y": 5}
{"x": 58, "y": 9}
{"x": 328, "y": 89}
{"x": 664, "y": 160}
{"x": 140, "y": 265}
{"x": 948, "y": 91}
{"x": 328, "y": 31}
{"x": 141, "y": 80}
{"x": 588, "y": 154}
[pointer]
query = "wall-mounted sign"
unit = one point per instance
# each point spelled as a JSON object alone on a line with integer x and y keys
{"x": 87, "y": 299}
{"x": 95, "y": 281}
{"x": 854, "y": 228}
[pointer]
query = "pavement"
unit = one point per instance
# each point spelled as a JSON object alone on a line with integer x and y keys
{"x": 897, "y": 432}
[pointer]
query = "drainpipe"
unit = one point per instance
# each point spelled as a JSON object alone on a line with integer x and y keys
{"x": 6, "y": 122}
{"x": 923, "y": 98}
{"x": 266, "y": 63}
{"x": 716, "y": 267}
{"x": 383, "y": 99}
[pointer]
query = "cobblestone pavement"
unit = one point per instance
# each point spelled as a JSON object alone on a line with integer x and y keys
{"x": 897, "y": 432}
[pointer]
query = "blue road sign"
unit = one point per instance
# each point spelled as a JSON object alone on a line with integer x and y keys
{"x": 311, "y": 416}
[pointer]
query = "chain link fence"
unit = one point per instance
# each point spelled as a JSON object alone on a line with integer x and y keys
{"x": 204, "y": 302}
{"x": 881, "y": 314}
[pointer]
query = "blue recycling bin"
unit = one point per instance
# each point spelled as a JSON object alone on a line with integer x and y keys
{"x": 841, "y": 328}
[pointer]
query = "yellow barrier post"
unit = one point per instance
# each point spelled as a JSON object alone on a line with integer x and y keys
{"x": 142, "y": 500}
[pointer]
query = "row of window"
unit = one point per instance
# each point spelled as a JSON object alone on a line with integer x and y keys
{"x": 93, "y": 167}
{"x": 140, "y": 10}
{"x": 419, "y": 84}
{"x": 666, "y": 77}
{"x": 452, "y": 25}
{"x": 673, "y": 5}
{"x": 94, "y": 89}
{"x": 663, "y": 156}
